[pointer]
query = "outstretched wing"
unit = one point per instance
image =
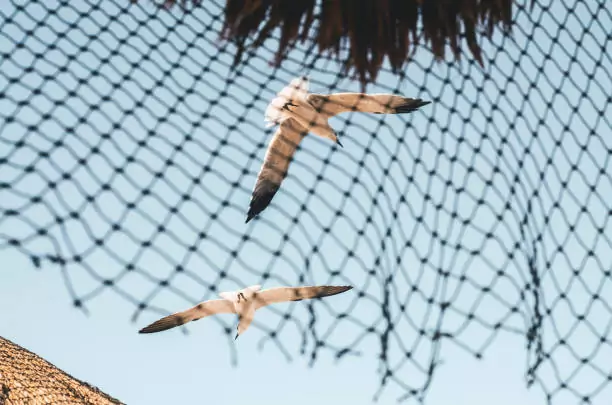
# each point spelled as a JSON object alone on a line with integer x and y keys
{"x": 275, "y": 166}
{"x": 201, "y": 310}
{"x": 333, "y": 104}
{"x": 285, "y": 294}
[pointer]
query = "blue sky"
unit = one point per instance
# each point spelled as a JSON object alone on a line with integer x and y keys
{"x": 113, "y": 60}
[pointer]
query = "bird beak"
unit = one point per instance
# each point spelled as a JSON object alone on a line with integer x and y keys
{"x": 338, "y": 142}
{"x": 236, "y": 336}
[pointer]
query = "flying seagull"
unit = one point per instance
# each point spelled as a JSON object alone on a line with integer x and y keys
{"x": 244, "y": 303}
{"x": 298, "y": 112}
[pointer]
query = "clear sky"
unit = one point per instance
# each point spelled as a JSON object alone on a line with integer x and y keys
{"x": 114, "y": 57}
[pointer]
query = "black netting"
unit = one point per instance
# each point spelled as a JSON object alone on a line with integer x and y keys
{"x": 129, "y": 150}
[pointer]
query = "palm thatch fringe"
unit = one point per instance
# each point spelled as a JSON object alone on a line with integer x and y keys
{"x": 26, "y": 378}
{"x": 373, "y": 29}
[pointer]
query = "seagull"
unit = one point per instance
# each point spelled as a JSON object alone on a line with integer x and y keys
{"x": 244, "y": 303}
{"x": 297, "y": 112}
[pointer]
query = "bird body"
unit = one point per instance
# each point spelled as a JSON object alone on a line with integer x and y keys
{"x": 309, "y": 118}
{"x": 297, "y": 113}
{"x": 292, "y": 103}
{"x": 244, "y": 303}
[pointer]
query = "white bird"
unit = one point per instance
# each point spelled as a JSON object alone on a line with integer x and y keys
{"x": 297, "y": 112}
{"x": 244, "y": 303}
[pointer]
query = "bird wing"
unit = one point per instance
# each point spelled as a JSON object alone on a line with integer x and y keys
{"x": 285, "y": 294}
{"x": 201, "y": 310}
{"x": 276, "y": 163}
{"x": 337, "y": 103}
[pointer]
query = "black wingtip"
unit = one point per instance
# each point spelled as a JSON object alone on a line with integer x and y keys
{"x": 253, "y": 212}
{"x": 168, "y": 322}
{"x": 152, "y": 329}
{"x": 262, "y": 196}
{"x": 411, "y": 106}
{"x": 334, "y": 290}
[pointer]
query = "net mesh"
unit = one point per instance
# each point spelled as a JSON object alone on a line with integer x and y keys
{"x": 130, "y": 148}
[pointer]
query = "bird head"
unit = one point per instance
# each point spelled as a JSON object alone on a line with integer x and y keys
{"x": 336, "y": 139}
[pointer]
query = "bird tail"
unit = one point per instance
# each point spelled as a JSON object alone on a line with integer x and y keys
{"x": 254, "y": 288}
{"x": 275, "y": 113}
{"x": 295, "y": 93}
{"x": 297, "y": 89}
{"x": 228, "y": 295}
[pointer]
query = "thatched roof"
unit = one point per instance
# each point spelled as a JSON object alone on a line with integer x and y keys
{"x": 371, "y": 29}
{"x": 26, "y": 378}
